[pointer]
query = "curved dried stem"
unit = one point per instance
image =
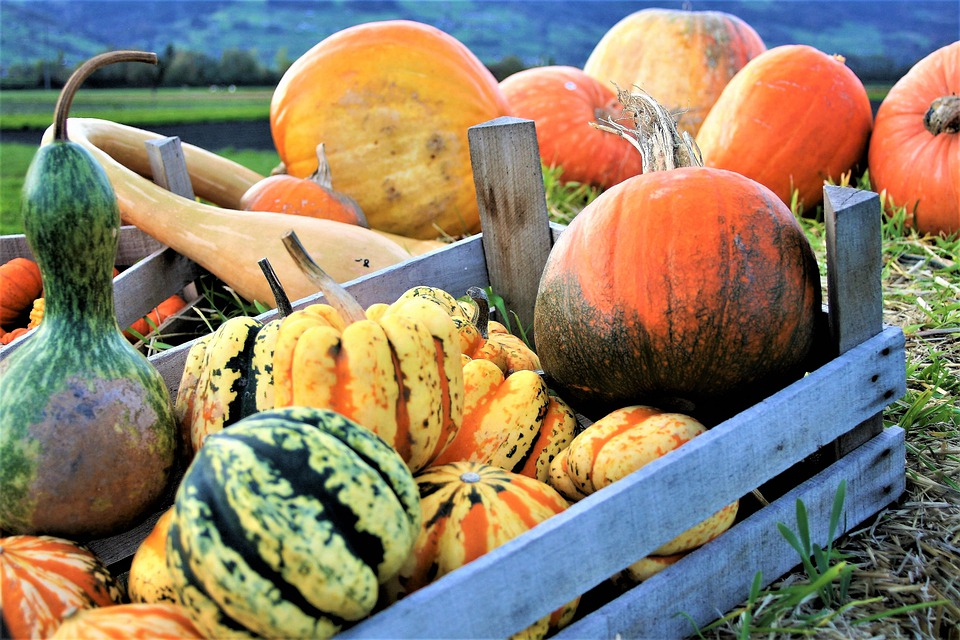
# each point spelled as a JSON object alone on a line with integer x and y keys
{"x": 337, "y": 297}
{"x": 65, "y": 99}
{"x": 482, "y": 303}
{"x": 653, "y": 133}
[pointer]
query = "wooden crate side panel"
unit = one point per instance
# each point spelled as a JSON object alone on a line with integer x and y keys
{"x": 716, "y": 578}
{"x": 455, "y": 268}
{"x": 571, "y": 553}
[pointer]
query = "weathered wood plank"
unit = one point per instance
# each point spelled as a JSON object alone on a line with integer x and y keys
{"x": 151, "y": 281}
{"x": 168, "y": 166}
{"x": 513, "y": 209}
{"x": 717, "y": 577}
{"x": 852, "y": 221}
{"x": 723, "y": 464}
{"x": 132, "y": 246}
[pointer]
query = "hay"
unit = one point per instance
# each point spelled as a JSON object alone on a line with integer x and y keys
{"x": 908, "y": 555}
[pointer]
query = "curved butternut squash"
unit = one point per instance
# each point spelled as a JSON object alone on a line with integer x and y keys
{"x": 222, "y": 239}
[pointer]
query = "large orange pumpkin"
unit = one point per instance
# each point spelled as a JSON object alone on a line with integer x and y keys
{"x": 563, "y": 101}
{"x": 392, "y": 102}
{"x": 694, "y": 289}
{"x": 42, "y": 578}
{"x": 792, "y": 118}
{"x": 915, "y": 149}
{"x": 684, "y": 59}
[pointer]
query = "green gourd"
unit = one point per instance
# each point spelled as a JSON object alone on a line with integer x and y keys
{"x": 88, "y": 437}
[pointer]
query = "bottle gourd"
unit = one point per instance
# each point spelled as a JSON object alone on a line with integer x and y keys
{"x": 87, "y": 430}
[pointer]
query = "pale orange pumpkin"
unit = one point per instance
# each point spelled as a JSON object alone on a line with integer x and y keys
{"x": 392, "y": 102}
{"x": 791, "y": 119}
{"x": 683, "y": 59}
{"x": 915, "y": 149}
{"x": 563, "y": 101}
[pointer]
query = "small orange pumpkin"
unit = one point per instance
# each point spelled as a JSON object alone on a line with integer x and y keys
{"x": 915, "y": 149}
{"x": 20, "y": 285}
{"x": 313, "y": 196}
{"x": 42, "y": 578}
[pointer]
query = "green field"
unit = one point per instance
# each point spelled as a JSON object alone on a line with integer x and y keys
{"x": 138, "y": 107}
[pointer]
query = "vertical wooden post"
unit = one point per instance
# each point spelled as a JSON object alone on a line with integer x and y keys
{"x": 854, "y": 287}
{"x": 513, "y": 209}
{"x": 169, "y": 167}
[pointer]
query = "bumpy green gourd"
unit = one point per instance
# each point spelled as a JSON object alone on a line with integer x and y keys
{"x": 87, "y": 431}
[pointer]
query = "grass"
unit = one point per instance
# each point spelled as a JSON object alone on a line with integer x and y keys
{"x": 893, "y": 576}
{"x": 33, "y": 109}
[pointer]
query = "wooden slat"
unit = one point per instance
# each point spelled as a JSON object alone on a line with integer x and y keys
{"x": 600, "y": 535}
{"x": 151, "y": 281}
{"x": 717, "y": 577}
{"x": 132, "y": 246}
{"x": 513, "y": 209}
{"x": 456, "y": 268}
{"x": 852, "y": 221}
{"x": 168, "y": 166}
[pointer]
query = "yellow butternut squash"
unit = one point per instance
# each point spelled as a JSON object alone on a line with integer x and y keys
{"x": 221, "y": 238}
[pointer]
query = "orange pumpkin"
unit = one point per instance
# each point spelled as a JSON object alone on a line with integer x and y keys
{"x": 313, "y": 196}
{"x": 693, "y": 288}
{"x": 684, "y": 59}
{"x": 392, "y": 102}
{"x": 163, "y": 621}
{"x": 914, "y": 152}
{"x": 563, "y": 101}
{"x": 42, "y": 578}
{"x": 792, "y": 118}
{"x": 20, "y": 285}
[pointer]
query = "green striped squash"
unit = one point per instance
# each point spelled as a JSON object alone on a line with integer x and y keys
{"x": 287, "y": 522}
{"x": 469, "y": 509}
{"x": 227, "y": 376}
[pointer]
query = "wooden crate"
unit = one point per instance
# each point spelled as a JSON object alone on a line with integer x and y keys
{"x": 808, "y": 437}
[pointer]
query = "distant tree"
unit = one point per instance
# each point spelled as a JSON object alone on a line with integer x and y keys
{"x": 282, "y": 61}
{"x": 506, "y": 67}
{"x": 240, "y": 67}
{"x": 191, "y": 69}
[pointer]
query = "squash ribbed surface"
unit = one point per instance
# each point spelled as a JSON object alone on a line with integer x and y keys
{"x": 287, "y": 522}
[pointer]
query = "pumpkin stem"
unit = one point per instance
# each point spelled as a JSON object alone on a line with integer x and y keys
{"x": 480, "y": 300}
{"x": 338, "y": 297}
{"x": 943, "y": 116}
{"x": 65, "y": 99}
{"x": 322, "y": 176}
{"x": 654, "y": 133}
{"x": 284, "y": 307}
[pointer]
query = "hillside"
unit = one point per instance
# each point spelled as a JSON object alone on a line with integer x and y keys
{"x": 878, "y": 37}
